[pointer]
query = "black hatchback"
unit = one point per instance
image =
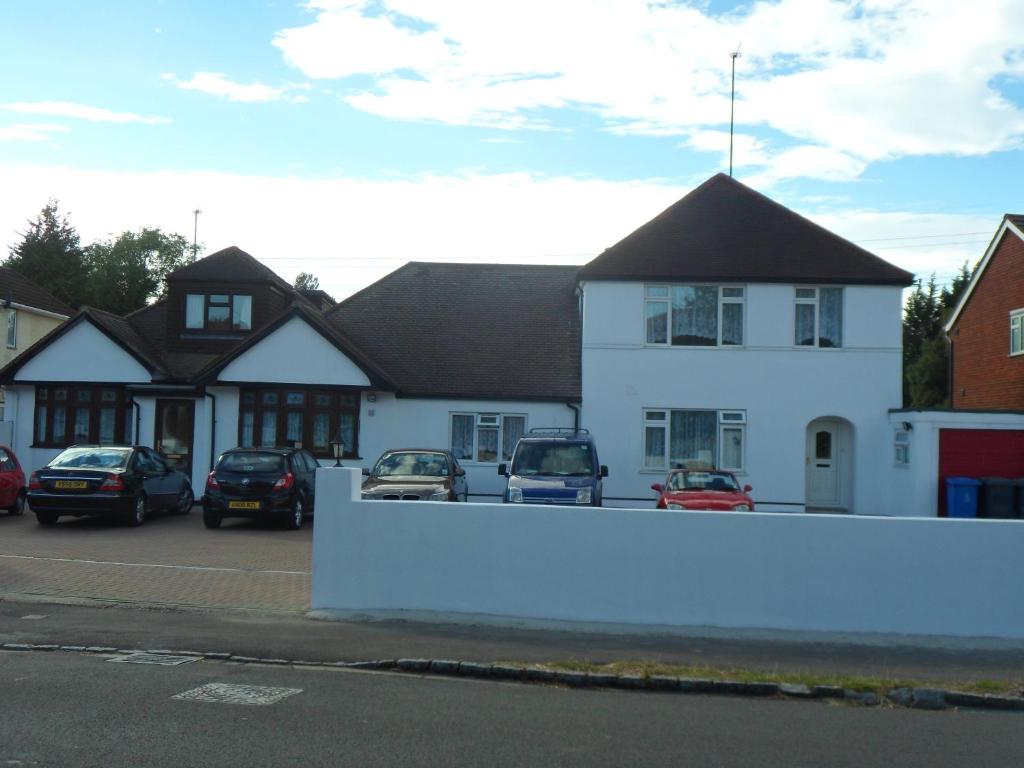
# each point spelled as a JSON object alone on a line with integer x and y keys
{"x": 270, "y": 483}
{"x": 122, "y": 480}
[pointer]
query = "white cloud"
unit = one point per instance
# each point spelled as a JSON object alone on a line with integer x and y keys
{"x": 81, "y": 112}
{"x": 294, "y": 224}
{"x": 31, "y": 131}
{"x": 857, "y": 80}
{"x": 217, "y": 84}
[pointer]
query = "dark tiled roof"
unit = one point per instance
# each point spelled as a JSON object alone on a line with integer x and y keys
{"x": 489, "y": 331}
{"x": 122, "y": 329}
{"x": 15, "y": 287}
{"x": 725, "y": 231}
{"x": 1016, "y": 219}
{"x": 229, "y": 265}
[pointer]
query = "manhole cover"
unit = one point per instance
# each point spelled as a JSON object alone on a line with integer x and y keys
{"x": 231, "y": 693}
{"x": 163, "y": 659}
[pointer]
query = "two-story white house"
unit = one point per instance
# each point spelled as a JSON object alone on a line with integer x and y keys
{"x": 731, "y": 331}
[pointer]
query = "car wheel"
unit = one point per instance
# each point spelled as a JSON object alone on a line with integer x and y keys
{"x": 46, "y": 518}
{"x": 18, "y": 507}
{"x": 211, "y": 519}
{"x": 295, "y": 515}
{"x": 137, "y": 516}
{"x": 185, "y": 501}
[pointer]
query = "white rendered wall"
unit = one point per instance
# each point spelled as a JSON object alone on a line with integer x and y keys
{"x": 781, "y": 388}
{"x": 20, "y": 408}
{"x": 294, "y": 354}
{"x": 827, "y": 573}
{"x": 83, "y": 354}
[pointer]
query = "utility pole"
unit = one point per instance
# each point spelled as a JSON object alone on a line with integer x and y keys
{"x": 196, "y": 214}
{"x": 732, "y": 101}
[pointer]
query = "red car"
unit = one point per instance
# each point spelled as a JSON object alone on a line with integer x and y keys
{"x": 12, "y": 482}
{"x": 709, "y": 489}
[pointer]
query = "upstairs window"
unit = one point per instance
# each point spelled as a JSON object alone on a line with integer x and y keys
{"x": 218, "y": 312}
{"x": 1016, "y": 332}
{"x": 12, "y": 328}
{"x": 818, "y": 317}
{"x": 694, "y": 315}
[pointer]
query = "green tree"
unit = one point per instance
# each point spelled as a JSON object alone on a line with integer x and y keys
{"x": 124, "y": 274}
{"x": 50, "y": 255}
{"x": 927, "y": 378}
{"x": 306, "y": 281}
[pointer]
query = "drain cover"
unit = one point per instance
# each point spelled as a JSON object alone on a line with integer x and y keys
{"x": 231, "y": 693}
{"x": 163, "y": 659}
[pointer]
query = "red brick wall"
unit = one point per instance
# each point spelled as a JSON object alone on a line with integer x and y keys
{"x": 984, "y": 374}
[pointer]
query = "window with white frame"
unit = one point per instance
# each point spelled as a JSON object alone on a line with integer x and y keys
{"x": 901, "y": 448}
{"x": 818, "y": 317}
{"x": 694, "y": 315}
{"x": 12, "y": 328}
{"x": 1016, "y": 332}
{"x": 486, "y": 438}
{"x": 690, "y": 438}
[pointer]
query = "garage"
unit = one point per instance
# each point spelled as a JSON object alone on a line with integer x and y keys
{"x": 979, "y": 453}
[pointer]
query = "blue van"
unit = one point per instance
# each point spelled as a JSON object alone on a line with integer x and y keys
{"x": 554, "y": 466}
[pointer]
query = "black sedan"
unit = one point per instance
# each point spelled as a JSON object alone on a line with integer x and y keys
{"x": 119, "y": 480}
{"x": 274, "y": 483}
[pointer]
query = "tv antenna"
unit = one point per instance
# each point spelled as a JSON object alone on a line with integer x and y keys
{"x": 732, "y": 101}
{"x": 195, "y": 229}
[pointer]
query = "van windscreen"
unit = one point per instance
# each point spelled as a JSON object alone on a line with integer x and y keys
{"x": 553, "y": 459}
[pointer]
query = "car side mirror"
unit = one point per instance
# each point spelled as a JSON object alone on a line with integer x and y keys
{"x": 460, "y": 472}
{"x": 503, "y": 469}
{"x": 748, "y": 488}
{"x": 604, "y": 470}
{"x": 657, "y": 487}
{"x": 366, "y": 471}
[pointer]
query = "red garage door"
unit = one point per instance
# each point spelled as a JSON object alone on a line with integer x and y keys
{"x": 978, "y": 453}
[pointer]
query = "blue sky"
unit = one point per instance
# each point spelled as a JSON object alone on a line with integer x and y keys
{"x": 346, "y": 137}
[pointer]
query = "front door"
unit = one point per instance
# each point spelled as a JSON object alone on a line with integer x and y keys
{"x": 175, "y": 422}
{"x": 823, "y": 453}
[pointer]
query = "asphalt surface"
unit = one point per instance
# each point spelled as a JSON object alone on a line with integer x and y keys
{"x": 70, "y": 710}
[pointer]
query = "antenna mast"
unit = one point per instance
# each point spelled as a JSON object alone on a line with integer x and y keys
{"x": 195, "y": 230}
{"x": 732, "y": 101}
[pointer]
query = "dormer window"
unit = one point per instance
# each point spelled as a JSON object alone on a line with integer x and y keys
{"x": 218, "y": 312}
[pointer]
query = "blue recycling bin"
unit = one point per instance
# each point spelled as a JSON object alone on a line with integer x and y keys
{"x": 962, "y": 496}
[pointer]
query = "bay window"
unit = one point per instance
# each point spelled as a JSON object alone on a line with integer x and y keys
{"x": 299, "y": 416}
{"x": 485, "y": 438}
{"x": 694, "y": 315}
{"x": 693, "y": 438}
{"x": 818, "y": 317}
{"x": 66, "y": 415}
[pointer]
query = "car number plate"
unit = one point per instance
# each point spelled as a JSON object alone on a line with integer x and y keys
{"x": 243, "y": 505}
{"x": 71, "y": 485}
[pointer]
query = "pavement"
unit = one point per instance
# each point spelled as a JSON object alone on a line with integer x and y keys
{"x": 244, "y": 589}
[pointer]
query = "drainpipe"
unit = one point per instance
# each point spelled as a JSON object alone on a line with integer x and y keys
{"x": 575, "y": 416}
{"x": 213, "y": 424}
{"x": 138, "y": 419}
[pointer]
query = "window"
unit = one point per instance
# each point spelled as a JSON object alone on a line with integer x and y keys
{"x": 12, "y": 328}
{"x": 67, "y": 415}
{"x": 1016, "y": 332}
{"x": 818, "y": 317}
{"x": 901, "y": 448}
{"x": 694, "y": 315}
{"x": 299, "y": 417}
{"x": 218, "y": 312}
{"x": 486, "y": 438}
{"x": 678, "y": 438}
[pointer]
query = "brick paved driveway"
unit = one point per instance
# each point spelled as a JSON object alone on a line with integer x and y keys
{"x": 169, "y": 560}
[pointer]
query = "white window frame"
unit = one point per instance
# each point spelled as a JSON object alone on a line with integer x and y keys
{"x": 1017, "y": 319}
{"x": 481, "y": 419}
{"x": 727, "y": 419}
{"x": 12, "y": 328}
{"x": 901, "y": 448}
{"x": 721, "y": 301}
{"x": 816, "y": 303}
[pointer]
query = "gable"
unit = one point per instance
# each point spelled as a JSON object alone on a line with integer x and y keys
{"x": 1009, "y": 235}
{"x": 83, "y": 353}
{"x": 295, "y": 353}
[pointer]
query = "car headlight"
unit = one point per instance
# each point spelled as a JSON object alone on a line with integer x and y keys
{"x": 439, "y": 496}
{"x": 673, "y": 505}
{"x": 741, "y": 507}
{"x": 584, "y": 495}
{"x": 515, "y": 495}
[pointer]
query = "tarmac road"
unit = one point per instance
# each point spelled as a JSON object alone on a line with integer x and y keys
{"x": 70, "y": 710}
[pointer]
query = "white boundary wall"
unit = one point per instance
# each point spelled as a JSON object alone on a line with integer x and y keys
{"x": 739, "y": 570}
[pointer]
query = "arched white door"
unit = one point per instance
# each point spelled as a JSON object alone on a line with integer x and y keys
{"x": 827, "y": 457}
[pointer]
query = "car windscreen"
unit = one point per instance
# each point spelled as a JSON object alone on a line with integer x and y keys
{"x": 252, "y": 462}
{"x": 702, "y": 481}
{"x": 411, "y": 465}
{"x": 553, "y": 459}
{"x": 92, "y": 458}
